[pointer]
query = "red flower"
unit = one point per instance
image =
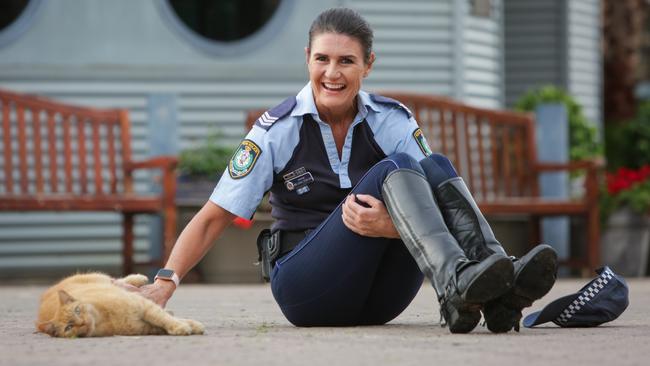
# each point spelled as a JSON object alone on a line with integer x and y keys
{"x": 625, "y": 178}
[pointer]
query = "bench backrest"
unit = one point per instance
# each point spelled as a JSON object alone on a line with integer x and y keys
{"x": 493, "y": 150}
{"x": 52, "y": 148}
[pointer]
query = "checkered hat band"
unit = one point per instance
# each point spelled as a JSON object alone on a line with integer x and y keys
{"x": 585, "y": 296}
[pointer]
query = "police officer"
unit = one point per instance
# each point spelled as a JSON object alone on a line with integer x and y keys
{"x": 363, "y": 210}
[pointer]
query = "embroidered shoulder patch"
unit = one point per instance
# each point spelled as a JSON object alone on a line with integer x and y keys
{"x": 422, "y": 142}
{"x": 244, "y": 159}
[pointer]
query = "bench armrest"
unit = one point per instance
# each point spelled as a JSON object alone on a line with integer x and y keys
{"x": 591, "y": 168}
{"x": 570, "y": 166}
{"x": 166, "y": 163}
{"x": 168, "y": 182}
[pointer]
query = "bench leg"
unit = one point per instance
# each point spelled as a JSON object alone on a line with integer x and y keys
{"x": 127, "y": 244}
{"x": 169, "y": 233}
{"x": 535, "y": 235}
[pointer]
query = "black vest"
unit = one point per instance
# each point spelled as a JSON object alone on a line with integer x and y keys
{"x": 295, "y": 207}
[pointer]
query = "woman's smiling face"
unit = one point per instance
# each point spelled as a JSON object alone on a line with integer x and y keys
{"x": 336, "y": 69}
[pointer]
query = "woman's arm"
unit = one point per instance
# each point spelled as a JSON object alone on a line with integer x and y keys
{"x": 193, "y": 243}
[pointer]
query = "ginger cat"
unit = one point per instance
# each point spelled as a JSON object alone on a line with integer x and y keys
{"x": 90, "y": 305}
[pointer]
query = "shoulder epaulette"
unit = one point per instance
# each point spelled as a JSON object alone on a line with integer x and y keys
{"x": 281, "y": 110}
{"x": 385, "y": 100}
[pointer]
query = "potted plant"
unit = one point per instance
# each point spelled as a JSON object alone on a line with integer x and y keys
{"x": 200, "y": 168}
{"x": 625, "y": 198}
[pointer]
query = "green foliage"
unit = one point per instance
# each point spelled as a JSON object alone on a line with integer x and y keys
{"x": 628, "y": 144}
{"x": 583, "y": 136}
{"x": 208, "y": 159}
{"x": 636, "y": 197}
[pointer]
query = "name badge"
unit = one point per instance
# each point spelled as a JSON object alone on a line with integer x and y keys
{"x": 298, "y": 180}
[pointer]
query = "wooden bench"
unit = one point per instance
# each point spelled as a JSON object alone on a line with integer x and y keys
{"x": 495, "y": 153}
{"x": 60, "y": 157}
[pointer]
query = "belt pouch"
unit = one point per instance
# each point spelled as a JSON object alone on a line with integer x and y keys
{"x": 268, "y": 249}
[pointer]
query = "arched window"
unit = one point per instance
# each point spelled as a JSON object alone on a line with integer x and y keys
{"x": 15, "y": 18}
{"x": 223, "y": 27}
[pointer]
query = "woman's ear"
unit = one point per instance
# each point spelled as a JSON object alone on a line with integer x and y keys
{"x": 307, "y": 55}
{"x": 371, "y": 61}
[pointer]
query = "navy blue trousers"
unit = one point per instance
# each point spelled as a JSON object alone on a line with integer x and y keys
{"x": 335, "y": 277}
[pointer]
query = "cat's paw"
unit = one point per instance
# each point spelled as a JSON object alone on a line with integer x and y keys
{"x": 197, "y": 328}
{"x": 136, "y": 280}
{"x": 181, "y": 328}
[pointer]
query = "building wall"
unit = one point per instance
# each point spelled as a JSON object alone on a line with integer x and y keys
{"x": 584, "y": 66}
{"x": 535, "y": 50}
{"x": 483, "y": 83}
{"x": 555, "y": 42}
{"x": 119, "y": 53}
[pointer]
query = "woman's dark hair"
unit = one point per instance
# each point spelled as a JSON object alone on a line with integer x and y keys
{"x": 344, "y": 21}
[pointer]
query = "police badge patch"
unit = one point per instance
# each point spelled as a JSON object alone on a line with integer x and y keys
{"x": 422, "y": 142}
{"x": 244, "y": 159}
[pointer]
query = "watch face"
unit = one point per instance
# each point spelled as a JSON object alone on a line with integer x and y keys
{"x": 165, "y": 273}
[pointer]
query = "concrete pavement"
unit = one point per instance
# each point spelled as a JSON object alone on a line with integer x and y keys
{"x": 245, "y": 327}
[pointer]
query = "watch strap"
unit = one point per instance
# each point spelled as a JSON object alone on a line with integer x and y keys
{"x": 165, "y": 276}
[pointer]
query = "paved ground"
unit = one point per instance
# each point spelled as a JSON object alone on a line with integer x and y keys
{"x": 245, "y": 327}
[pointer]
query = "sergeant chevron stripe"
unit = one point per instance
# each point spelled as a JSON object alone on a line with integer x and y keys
{"x": 276, "y": 113}
{"x": 267, "y": 119}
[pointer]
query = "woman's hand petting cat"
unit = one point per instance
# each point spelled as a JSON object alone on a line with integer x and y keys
{"x": 367, "y": 216}
{"x": 158, "y": 292}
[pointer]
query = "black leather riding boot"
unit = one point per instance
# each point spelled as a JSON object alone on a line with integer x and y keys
{"x": 463, "y": 286}
{"x": 534, "y": 273}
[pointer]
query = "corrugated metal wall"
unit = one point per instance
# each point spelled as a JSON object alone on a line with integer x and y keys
{"x": 419, "y": 49}
{"x": 534, "y": 45}
{"x": 413, "y": 43}
{"x": 584, "y": 68}
{"x": 555, "y": 42}
{"x": 483, "y": 58}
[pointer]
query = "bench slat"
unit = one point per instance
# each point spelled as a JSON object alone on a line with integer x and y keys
{"x": 67, "y": 153}
{"x": 22, "y": 148}
{"x": 51, "y": 142}
{"x": 6, "y": 132}
{"x": 111, "y": 158}
{"x": 97, "y": 159}
{"x": 74, "y": 202}
{"x": 38, "y": 153}
{"x": 81, "y": 154}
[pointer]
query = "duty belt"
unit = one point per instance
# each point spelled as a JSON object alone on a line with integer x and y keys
{"x": 272, "y": 246}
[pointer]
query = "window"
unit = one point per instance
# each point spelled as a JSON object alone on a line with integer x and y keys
{"x": 225, "y": 26}
{"x": 15, "y": 18}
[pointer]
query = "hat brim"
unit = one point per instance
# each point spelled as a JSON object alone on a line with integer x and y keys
{"x": 550, "y": 311}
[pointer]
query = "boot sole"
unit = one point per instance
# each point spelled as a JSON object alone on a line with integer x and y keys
{"x": 533, "y": 282}
{"x": 493, "y": 282}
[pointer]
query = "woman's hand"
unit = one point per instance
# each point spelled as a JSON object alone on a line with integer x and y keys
{"x": 371, "y": 219}
{"x": 158, "y": 292}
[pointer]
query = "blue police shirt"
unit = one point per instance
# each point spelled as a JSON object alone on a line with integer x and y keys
{"x": 291, "y": 152}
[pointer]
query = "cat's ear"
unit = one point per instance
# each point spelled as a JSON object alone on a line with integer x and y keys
{"x": 47, "y": 327}
{"x": 65, "y": 298}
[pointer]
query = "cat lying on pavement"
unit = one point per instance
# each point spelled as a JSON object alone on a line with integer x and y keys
{"x": 90, "y": 305}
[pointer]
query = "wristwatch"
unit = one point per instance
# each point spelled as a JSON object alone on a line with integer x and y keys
{"x": 168, "y": 275}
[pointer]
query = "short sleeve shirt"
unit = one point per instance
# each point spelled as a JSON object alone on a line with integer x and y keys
{"x": 294, "y": 132}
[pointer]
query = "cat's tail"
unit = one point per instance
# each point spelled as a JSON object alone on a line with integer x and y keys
{"x": 136, "y": 280}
